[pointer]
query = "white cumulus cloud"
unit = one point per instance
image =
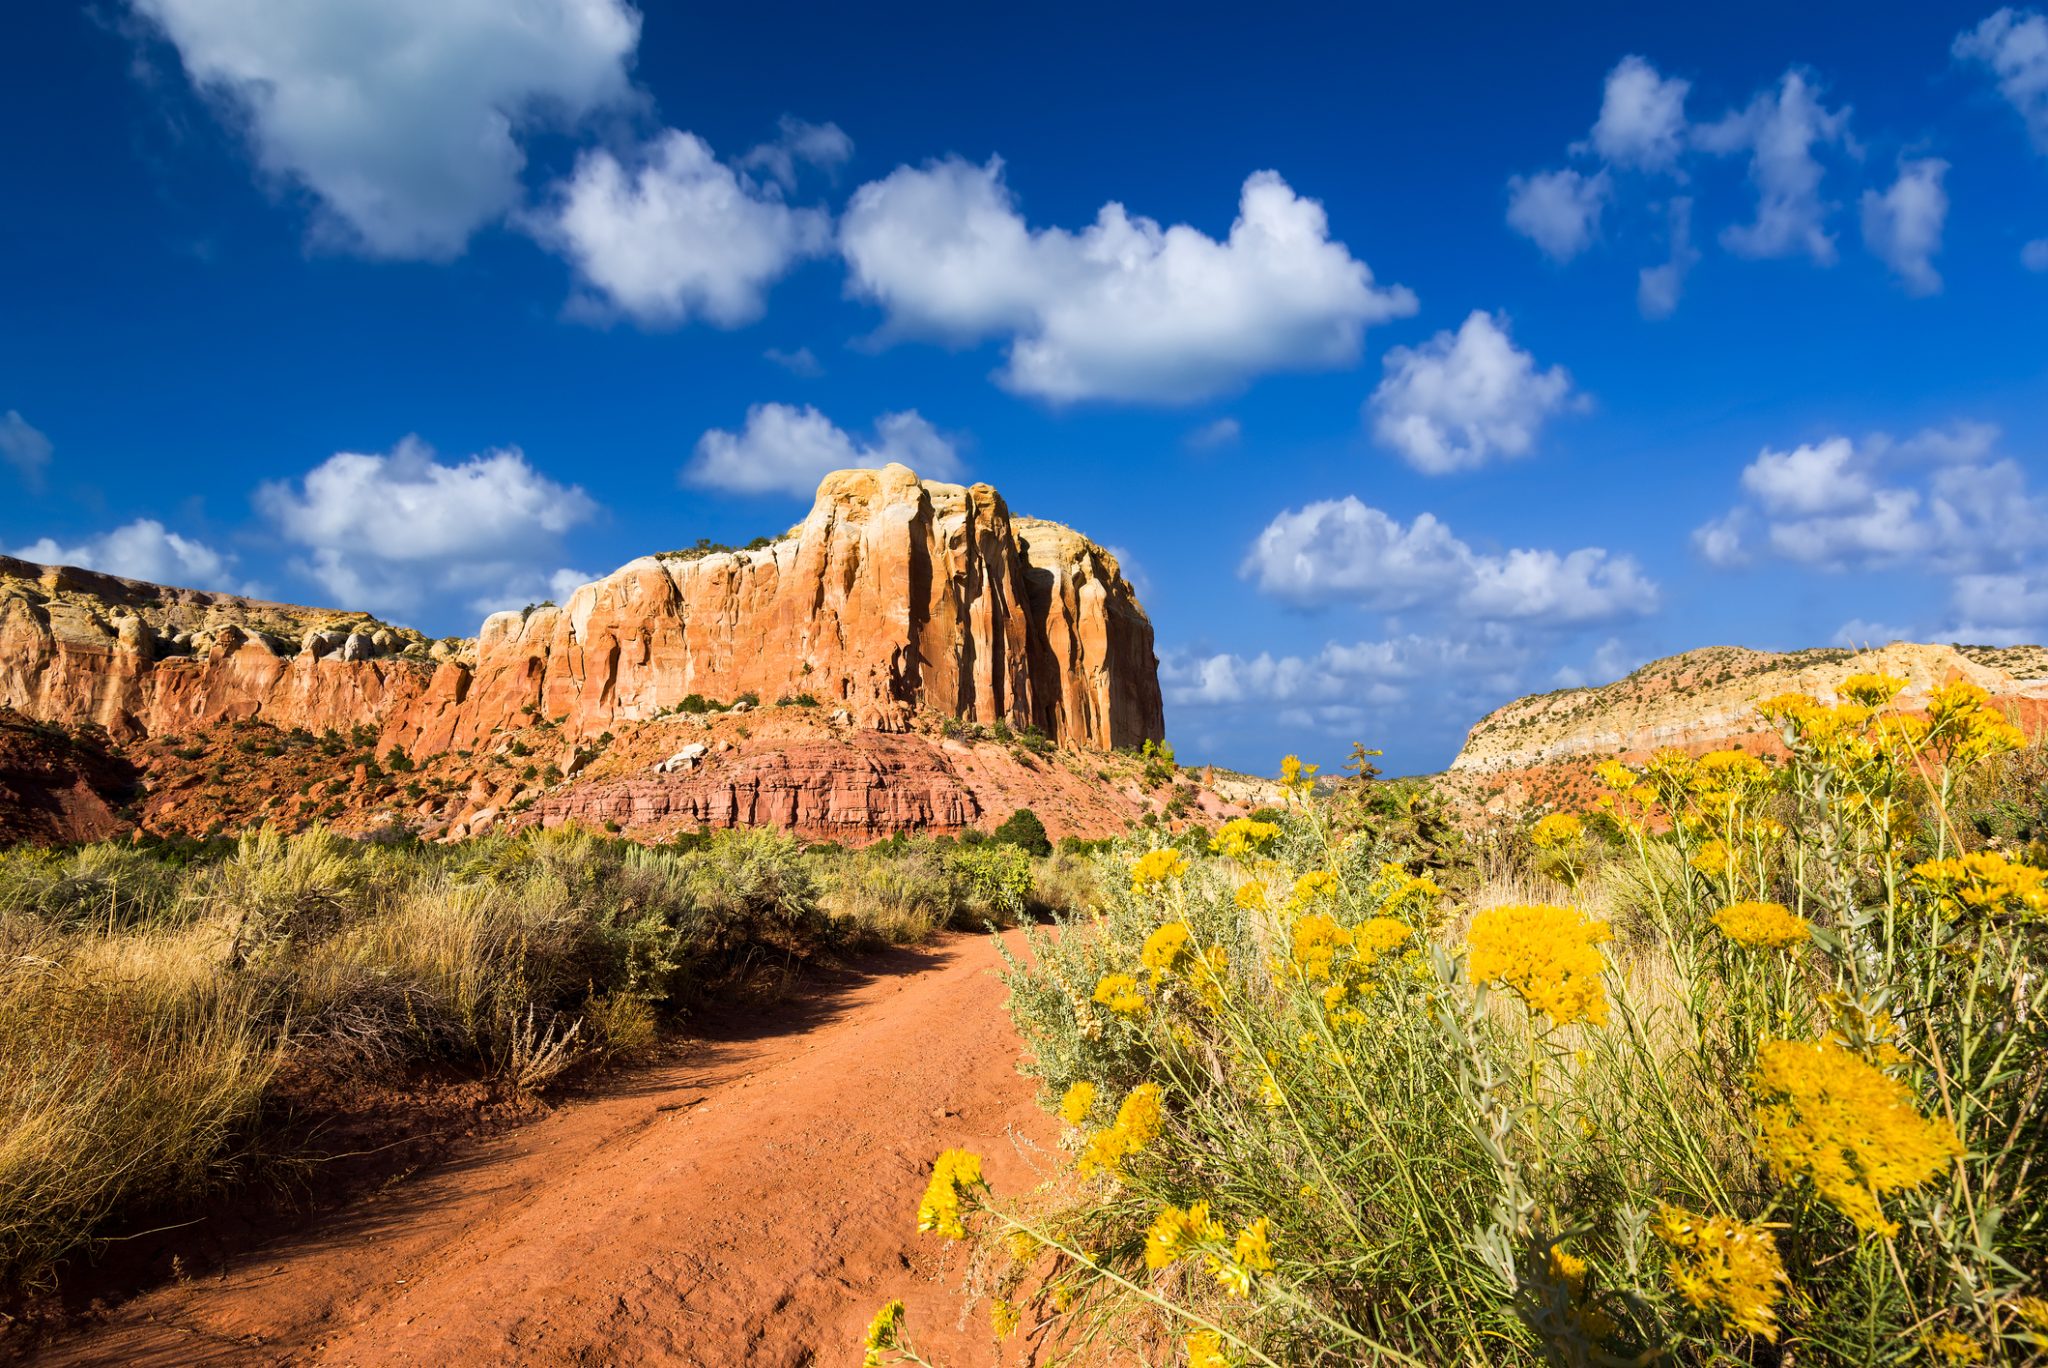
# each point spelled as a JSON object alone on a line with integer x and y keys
{"x": 1642, "y": 117}
{"x": 1344, "y": 549}
{"x": 677, "y": 234}
{"x": 1460, "y": 399}
{"x": 24, "y": 448}
{"x": 2014, "y": 45}
{"x": 403, "y": 119}
{"x": 1559, "y": 211}
{"x": 1902, "y": 225}
{"x": 1124, "y": 309}
{"x": 1942, "y": 501}
{"x": 799, "y": 143}
{"x": 1781, "y": 130}
{"x": 144, "y": 549}
{"x": 1658, "y": 288}
{"x": 387, "y": 532}
{"x": 787, "y": 450}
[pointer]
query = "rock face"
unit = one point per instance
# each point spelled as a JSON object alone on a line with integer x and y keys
{"x": 56, "y": 788}
{"x": 894, "y": 595}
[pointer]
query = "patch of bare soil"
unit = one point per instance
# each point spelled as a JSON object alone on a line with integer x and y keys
{"x": 746, "y": 1203}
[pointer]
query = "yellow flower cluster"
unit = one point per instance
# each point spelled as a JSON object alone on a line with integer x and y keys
{"x": 1237, "y": 1264}
{"x": 1166, "y": 950}
{"x": 1298, "y": 779}
{"x": 1003, "y": 1317}
{"x": 1953, "y": 1347}
{"x": 1121, "y": 994}
{"x": 1725, "y": 1266}
{"x": 1251, "y": 1254}
{"x": 1317, "y": 939}
{"x": 1205, "y": 1350}
{"x": 1138, "y": 1122}
{"x": 1396, "y": 887}
{"x": 1986, "y": 884}
{"x": 1711, "y": 859}
{"x": 1251, "y": 896}
{"x": 1240, "y": 838}
{"x": 1546, "y": 955}
{"x": 1827, "y": 1115}
{"x": 956, "y": 1172}
{"x": 1558, "y": 831}
{"x": 1592, "y": 1320}
{"x": 1177, "y": 1233}
{"x": 1628, "y": 800}
{"x": 1765, "y": 925}
{"x": 1312, "y": 886}
{"x": 1835, "y": 729}
{"x": 1157, "y": 868}
{"x": 885, "y": 1332}
{"x": 1729, "y": 775}
{"x": 1871, "y": 690}
{"x": 1077, "y": 1102}
{"x": 1960, "y": 719}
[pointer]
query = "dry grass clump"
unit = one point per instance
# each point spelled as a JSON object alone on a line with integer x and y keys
{"x": 145, "y": 1008}
{"x": 1756, "y": 1076}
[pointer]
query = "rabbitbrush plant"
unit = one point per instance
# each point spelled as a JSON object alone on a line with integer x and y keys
{"x": 1762, "y": 1082}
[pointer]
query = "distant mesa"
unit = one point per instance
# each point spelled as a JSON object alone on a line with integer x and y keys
{"x": 898, "y": 606}
{"x": 1541, "y": 748}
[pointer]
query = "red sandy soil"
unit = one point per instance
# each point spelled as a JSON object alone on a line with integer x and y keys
{"x": 747, "y": 1204}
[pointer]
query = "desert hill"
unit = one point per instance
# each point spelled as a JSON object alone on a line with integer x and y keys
{"x": 909, "y": 657}
{"x": 1543, "y": 747}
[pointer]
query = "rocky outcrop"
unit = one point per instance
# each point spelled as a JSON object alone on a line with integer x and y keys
{"x": 1707, "y": 698}
{"x": 895, "y": 595}
{"x": 56, "y": 788}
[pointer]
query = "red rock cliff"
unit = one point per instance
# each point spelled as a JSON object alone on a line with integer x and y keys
{"x": 894, "y": 594}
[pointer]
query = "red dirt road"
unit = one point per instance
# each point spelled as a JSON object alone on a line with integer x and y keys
{"x": 746, "y": 1205}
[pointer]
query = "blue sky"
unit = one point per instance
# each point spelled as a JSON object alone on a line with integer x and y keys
{"x": 1411, "y": 361}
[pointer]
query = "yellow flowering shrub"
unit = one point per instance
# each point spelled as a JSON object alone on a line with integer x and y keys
{"x": 1242, "y": 838}
{"x": 1121, "y": 994}
{"x": 956, "y": 1173}
{"x": 1380, "y": 1150}
{"x": 1985, "y": 884}
{"x": 1312, "y": 887}
{"x": 1871, "y": 690}
{"x": 1770, "y": 926}
{"x": 1546, "y": 955}
{"x": 884, "y": 1334}
{"x": 1952, "y": 1347}
{"x": 1139, "y": 1119}
{"x": 1557, "y": 831}
{"x": 1726, "y": 1267}
{"x": 1177, "y": 1233}
{"x": 1962, "y": 723}
{"x": 1317, "y": 939}
{"x": 1826, "y": 1115}
{"x": 1157, "y": 868}
{"x": 1711, "y": 859}
{"x": 1166, "y": 951}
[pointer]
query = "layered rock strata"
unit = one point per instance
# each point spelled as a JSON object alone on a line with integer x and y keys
{"x": 894, "y": 595}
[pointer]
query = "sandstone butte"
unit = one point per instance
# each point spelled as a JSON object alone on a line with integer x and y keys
{"x": 1542, "y": 748}
{"x": 897, "y": 603}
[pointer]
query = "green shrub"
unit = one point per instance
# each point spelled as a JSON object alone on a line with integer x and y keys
{"x": 995, "y": 879}
{"x": 1023, "y": 830}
